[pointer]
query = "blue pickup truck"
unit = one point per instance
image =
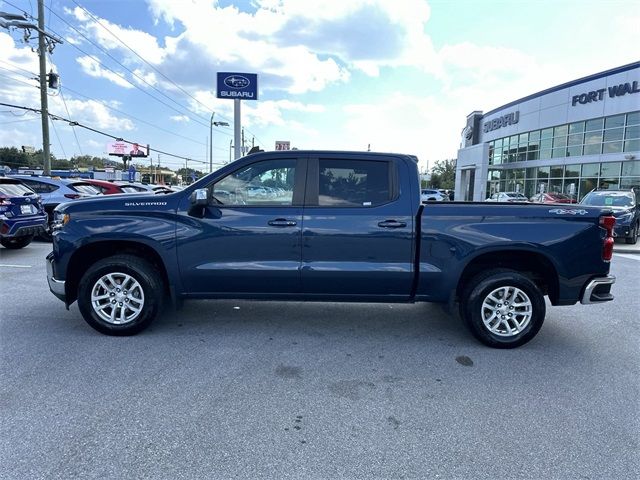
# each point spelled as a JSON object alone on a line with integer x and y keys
{"x": 328, "y": 226}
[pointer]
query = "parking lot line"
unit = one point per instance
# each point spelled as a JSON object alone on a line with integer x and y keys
{"x": 15, "y": 266}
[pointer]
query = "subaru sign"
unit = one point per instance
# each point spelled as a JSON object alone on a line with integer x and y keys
{"x": 240, "y": 86}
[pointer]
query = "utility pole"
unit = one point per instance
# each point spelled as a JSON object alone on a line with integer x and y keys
{"x": 42, "y": 53}
{"x": 46, "y": 43}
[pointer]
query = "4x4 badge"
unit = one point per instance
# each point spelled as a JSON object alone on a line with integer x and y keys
{"x": 564, "y": 211}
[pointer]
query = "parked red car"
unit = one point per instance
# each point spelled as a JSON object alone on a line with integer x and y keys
{"x": 552, "y": 198}
{"x": 107, "y": 188}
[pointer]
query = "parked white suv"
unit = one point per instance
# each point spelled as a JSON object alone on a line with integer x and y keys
{"x": 432, "y": 195}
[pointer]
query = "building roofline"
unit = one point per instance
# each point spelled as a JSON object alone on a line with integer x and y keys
{"x": 595, "y": 76}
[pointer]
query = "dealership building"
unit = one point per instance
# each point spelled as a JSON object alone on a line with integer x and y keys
{"x": 569, "y": 139}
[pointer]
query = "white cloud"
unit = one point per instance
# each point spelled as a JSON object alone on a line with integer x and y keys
{"x": 179, "y": 118}
{"x": 91, "y": 67}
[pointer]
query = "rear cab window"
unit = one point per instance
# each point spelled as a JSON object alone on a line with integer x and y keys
{"x": 85, "y": 188}
{"x": 353, "y": 183}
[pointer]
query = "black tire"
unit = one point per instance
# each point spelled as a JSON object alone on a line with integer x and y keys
{"x": 16, "y": 242}
{"x": 149, "y": 281}
{"x": 633, "y": 238}
{"x": 473, "y": 310}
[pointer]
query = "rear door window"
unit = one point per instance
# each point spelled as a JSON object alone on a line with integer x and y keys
{"x": 85, "y": 188}
{"x": 39, "y": 187}
{"x": 353, "y": 183}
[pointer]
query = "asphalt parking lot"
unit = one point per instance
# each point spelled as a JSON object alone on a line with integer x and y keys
{"x": 289, "y": 390}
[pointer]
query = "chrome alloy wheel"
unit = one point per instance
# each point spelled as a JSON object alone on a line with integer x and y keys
{"x": 506, "y": 311}
{"x": 117, "y": 298}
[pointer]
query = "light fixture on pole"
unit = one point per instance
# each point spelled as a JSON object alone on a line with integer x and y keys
{"x": 211, "y": 124}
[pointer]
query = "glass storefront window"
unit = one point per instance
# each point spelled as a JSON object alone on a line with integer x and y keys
{"x": 631, "y": 168}
{"x": 546, "y": 144}
{"x": 557, "y": 171}
{"x": 561, "y": 131}
{"x": 530, "y": 173}
{"x": 534, "y": 136}
{"x": 614, "y": 122}
{"x": 543, "y": 172}
{"x": 559, "y": 152}
{"x": 609, "y": 183}
{"x": 513, "y": 141}
{"x": 544, "y": 154}
{"x": 630, "y": 182}
{"x": 586, "y": 185}
{"x": 572, "y": 170}
{"x": 612, "y": 147}
{"x": 570, "y": 186}
{"x": 590, "y": 169}
{"x": 574, "y": 151}
{"x": 577, "y": 127}
{"x": 546, "y": 133}
{"x": 529, "y": 188}
{"x": 591, "y": 138}
{"x": 632, "y": 145}
{"x": 613, "y": 134}
{"x": 633, "y": 118}
{"x": 533, "y": 155}
{"x": 559, "y": 142}
{"x": 595, "y": 124}
{"x": 632, "y": 132}
{"x": 575, "y": 139}
{"x": 494, "y": 175}
{"x": 523, "y": 138}
{"x": 555, "y": 185}
{"x": 610, "y": 169}
{"x": 592, "y": 149}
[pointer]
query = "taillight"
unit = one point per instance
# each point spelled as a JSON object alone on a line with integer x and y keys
{"x": 608, "y": 223}
{"x": 72, "y": 195}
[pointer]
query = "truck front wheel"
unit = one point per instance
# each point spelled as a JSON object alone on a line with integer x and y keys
{"x": 120, "y": 295}
{"x": 503, "y": 308}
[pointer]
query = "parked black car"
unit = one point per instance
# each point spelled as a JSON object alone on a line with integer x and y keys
{"x": 22, "y": 215}
{"x": 626, "y": 208}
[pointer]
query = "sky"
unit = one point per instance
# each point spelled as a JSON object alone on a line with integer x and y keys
{"x": 389, "y": 75}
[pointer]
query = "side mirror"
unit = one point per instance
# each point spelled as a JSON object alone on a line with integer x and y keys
{"x": 199, "y": 197}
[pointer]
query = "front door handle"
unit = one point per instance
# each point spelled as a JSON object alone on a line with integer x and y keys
{"x": 392, "y": 224}
{"x": 282, "y": 222}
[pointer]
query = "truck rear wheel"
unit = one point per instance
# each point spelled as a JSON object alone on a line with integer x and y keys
{"x": 120, "y": 295}
{"x": 503, "y": 308}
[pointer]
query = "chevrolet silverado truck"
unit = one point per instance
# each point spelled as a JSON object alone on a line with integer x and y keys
{"x": 328, "y": 226}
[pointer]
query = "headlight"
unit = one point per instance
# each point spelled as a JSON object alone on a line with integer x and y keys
{"x": 59, "y": 220}
{"x": 625, "y": 218}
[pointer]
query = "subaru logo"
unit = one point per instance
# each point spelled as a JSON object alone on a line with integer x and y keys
{"x": 236, "y": 81}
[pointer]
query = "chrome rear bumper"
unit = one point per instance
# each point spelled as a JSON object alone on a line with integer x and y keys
{"x": 598, "y": 290}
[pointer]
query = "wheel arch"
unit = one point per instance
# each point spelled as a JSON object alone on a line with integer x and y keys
{"x": 535, "y": 265}
{"x": 90, "y": 253}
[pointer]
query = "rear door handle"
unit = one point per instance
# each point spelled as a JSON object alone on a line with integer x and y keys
{"x": 282, "y": 222}
{"x": 392, "y": 224}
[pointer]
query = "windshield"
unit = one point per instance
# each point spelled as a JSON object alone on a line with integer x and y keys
{"x": 609, "y": 199}
{"x": 515, "y": 195}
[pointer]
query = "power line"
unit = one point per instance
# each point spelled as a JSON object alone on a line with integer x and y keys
{"x": 17, "y": 8}
{"x": 188, "y": 112}
{"x": 72, "y": 127}
{"x": 207, "y": 107}
{"x": 100, "y": 132}
{"x": 55, "y": 130}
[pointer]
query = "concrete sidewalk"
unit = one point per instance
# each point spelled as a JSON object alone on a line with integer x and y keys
{"x": 621, "y": 247}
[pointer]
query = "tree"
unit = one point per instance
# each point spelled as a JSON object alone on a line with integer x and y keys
{"x": 443, "y": 174}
